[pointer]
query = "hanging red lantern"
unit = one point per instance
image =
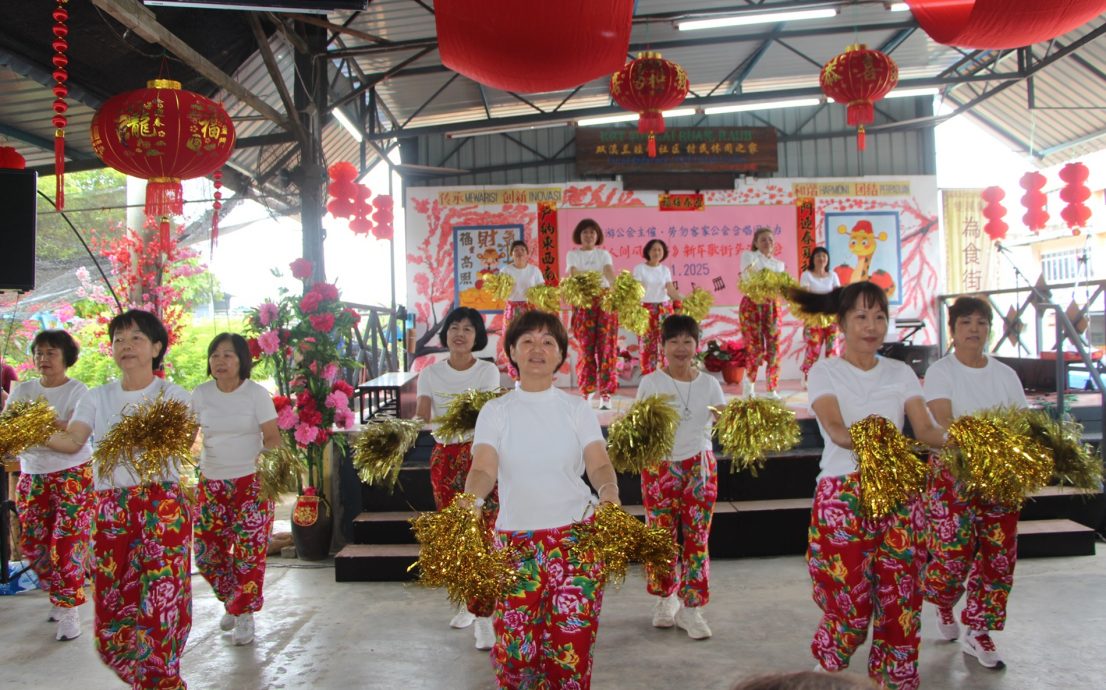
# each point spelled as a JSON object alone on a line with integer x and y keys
{"x": 60, "y": 45}
{"x": 1001, "y": 24}
{"x": 993, "y": 211}
{"x": 857, "y": 79}
{"x": 649, "y": 85}
{"x": 1034, "y": 200}
{"x": 163, "y": 134}
{"x": 10, "y": 159}
{"x": 1075, "y": 214}
{"x": 217, "y": 177}
{"x": 383, "y": 217}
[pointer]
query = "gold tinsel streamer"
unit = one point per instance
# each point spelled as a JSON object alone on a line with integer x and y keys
{"x": 765, "y": 285}
{"x": 890, "y": 470}
{"x": 582, "y": 289}
{"x": 460, "y": 416}
{"x": 379, "y": 450}
{"x": 26, "y": 424}
{"x": 278, "y": 470}
{"x": 498, "y": 285}
{"x": 615, "y": 538}
{"x": 697, "y": 304}
{"x": 643, "y": 437}
{"x": 635, "y": 319}
{"x": 747, "y": 428}
{"x": 994, "y": 462}
{"x": 626, "y": 293}
{"x": 155, "y": 437}
{"x": 811, "y": 320}
{"x": 1075, "y": 463}
{"x": 545, "y": 297}
{"x": 455, "y": 554}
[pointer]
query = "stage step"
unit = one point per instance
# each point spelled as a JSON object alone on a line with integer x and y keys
{"x": 375, "y": 563}
{"x": 1044, "y": 538}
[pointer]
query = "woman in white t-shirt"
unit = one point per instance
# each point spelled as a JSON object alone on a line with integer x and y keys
{"x": 656, "y": 278}
{"x": 679, "y": 495}
{"x": 760, "y": 321}
{"x": 864, "y": 570}
{"x": 536, "y": 442}
{"x": 818, "y": 278}
{"x": 462, "y": 333}
{"x": 595, "y": 330}
{"x": 238, "y": 420}
{"x": 970, "y": 541}
{"x": 526, "y": 276}
{"x": 54, "y": 494}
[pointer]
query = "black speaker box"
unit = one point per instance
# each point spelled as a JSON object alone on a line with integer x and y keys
{"x": 919, "y": 357}
{"x": 18, "y": 223}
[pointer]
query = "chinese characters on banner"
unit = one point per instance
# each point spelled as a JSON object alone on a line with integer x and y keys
{"x": 477, "y": 250}
{"x": 680, "y": 202}
{"x": 547, "y": 240}
{"x": 806, "y": 221}
{"x": 970, "y": 259}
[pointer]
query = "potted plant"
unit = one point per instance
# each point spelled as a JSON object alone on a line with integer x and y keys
{"x": 726, "y": 356}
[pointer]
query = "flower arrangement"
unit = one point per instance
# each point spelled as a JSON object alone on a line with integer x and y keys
{"x": 299, "y": 337}
{"x": 720, "y": 353}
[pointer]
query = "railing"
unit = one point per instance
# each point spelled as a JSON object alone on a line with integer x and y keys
{"x": 379, "y": 345}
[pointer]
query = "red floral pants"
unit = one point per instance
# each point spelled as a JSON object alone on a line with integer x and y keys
{"x": 596, "y": 333}
{"x": 817, "y": 338}
{"x": 680, "y": 496}
{"x": 510, "y": 311}
{"x": 866, "y": 570}
{"x": 970, "y": 542}
{"x": 232, "y": 541}
{"x": 652, "y": 345}
{"x": 760, "y": 328}
{"x": 142, "y": 584}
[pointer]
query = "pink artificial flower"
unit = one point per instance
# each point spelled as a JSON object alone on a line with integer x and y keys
{"x": 286, "y": 418}
{"x": 344, "y": 418}
{"x": 323, "y": 323}
{"x": 330, "y": 372}
{"x": 326, "y": 290}
{"x": 337, "y": 401}
{"x": 267, "y": 312}
{"x": 269, "y": 341}
{"x": 302, "y": 269}
{"x": 306, "y": 434}
{"x": 311, "y": 302}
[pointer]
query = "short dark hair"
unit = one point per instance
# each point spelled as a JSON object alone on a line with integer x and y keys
{"x": 149, "y": 324}
{"x": 584, "y": 225}
{"x": 474, "y": 318}
{"x": 840, "y": 300}
{"x": 519, "y": 243}
{"x": 815, "y": 252}
{"x": 649, "y": 245}
{"x": 679, "y": 324}
{"x": 241, "y": 349}
{"x": 61, "y": 340}
{"x": 966, "y": 306}
{"x": 535, "y": 320}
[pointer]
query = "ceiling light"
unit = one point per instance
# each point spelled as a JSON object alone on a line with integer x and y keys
{"x": 502, "y": 129}
{"x": 755, "y": 18}
{"x": 762, "y": 105}
{"x": 898, "y": 7}
{"x": 345, "y": 122}
{"x": 908, "y": 93}
{"x": 630, "y": 117}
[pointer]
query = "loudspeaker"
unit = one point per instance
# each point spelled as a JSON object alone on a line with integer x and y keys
{"x": 18, "y": 225}
{"x": 919, "y": 357}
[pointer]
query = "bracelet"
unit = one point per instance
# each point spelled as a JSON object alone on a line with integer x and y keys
{"x": 600, "y": 491}
{"x": 479, "y": 503}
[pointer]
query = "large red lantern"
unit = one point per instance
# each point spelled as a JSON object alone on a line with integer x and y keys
{"x": 1034, "y": 200}
{"x": 1001, "y": 24}
{"x": 993, "y": 211}
{"x": 163, "y": 134}
{"x": 857, "y": 79}
{"x": 649, "y": 85}
{"x": 1075, "y": 192}
{"x": 10, "y": 159}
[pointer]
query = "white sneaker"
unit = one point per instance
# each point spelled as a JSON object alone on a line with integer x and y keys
{"x": 748, "y": 388}
{"x": 485, "y": 635}
{"x": 690, "y": 618}
{"x": 462, "y": 619}
{"x": 979, "y": 644}
{"x": 664, "y": 611}
{"x": 947, "y": 627}
{"x": 69, "y": 625}
{"x": 243, "y": 629}
{"x": 773, "y": 394}
{"x": 226, "y": 623}
{"x": 55, "y": 613}
{"x": 604, "y": 402}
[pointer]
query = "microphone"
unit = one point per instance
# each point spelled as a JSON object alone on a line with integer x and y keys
{"x": 1001, "y": 247}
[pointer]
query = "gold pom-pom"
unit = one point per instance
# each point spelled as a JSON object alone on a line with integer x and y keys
{"x": 635, "y": 319}
{"x": 765, "y": 285}
{"x": 643, "y": 437}
{"x": 460, "y": 416}
{"x": 615, "y": 538}
{"x": 890, "y": 470}
{"x": 455, "y": 554}
{"x": 581, "y": 290}
{"x": 150, "y": 441}
{"x": 278, "y": 471}
{"x": 811, "y": 320}
{"x": 747, "y": 428}
{"x": 994, "y": 462}
{"x": 697, "y": 304}
{"x": 545, "y": 297}
{"x": 379, "y": 450}
{"x": 498, "y": 285}
{"x": 626, "y": 294}
{"x": 26, "y": 424}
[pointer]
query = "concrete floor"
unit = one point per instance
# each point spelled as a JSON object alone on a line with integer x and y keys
{"x": 314, "y": 633}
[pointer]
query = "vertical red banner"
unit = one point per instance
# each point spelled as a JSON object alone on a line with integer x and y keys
{"x": 805, "y": 227}
{"x": 547, "y": 242}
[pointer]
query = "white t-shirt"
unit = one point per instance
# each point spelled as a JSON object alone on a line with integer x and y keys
{"x": 540, "y": 439}
{"x": 440, "y": 382}
{"x": 589, "y": 260}
{"x": 883, "y": 390}
{"x": 64, "y": 399}
{"x": 971, "y": 389}
{"x": 654, "y": 278}
{"x": 811, "y": 282}
{"x": 693, "y": 434}
{"x": 103, "y": 407}
{"x": 525, "y": 278}
{"x": 231, "y": 424}
{"x": 758, "y": 261}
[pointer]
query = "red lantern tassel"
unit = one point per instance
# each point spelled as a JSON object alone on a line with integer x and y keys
{"x": 652, "y": 145}
{"x": 164, "y": 197}
{"x": 218, "y": 177}
{"x": 59, "y": 168}
{"x": 861, "y": 138}
{"x": 163, "y": 234}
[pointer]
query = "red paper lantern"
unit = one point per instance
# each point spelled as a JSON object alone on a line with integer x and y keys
{"x": 536, "y": 46}
{"x": 1075, "y": 214}
{"x": 163, "y": 134}
{"x": 993, "y": 211}
{"x": 10, "y": 159}
{"x": 1001, "y": 24}
{"x": 857, "y": 79}
{"x": 1034, "y": 201}
{"x": 649, "y": 85}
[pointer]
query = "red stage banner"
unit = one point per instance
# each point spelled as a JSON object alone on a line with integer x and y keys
{"x": 547, "y": 242}
{"x": 681, "y": 202}
{"x": 805, "y": 225}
